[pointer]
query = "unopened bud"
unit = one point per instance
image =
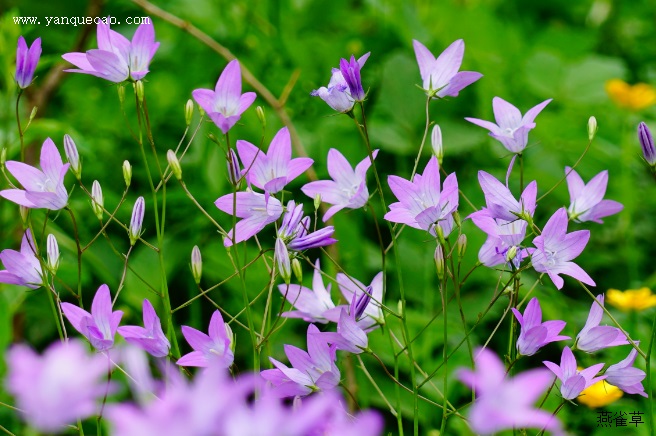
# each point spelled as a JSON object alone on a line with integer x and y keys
{"x": 317, "y": 201}
{"x": 456, "y": 218}
{"x": 231, "y": 336}
{"x": 97, "y": 201}
{"x": 436, "y": 143}
{"x": 282, "y": 260}
{"x": 399, "y": 307}
{"x": 439, "y": 262}
{"x": 33, "y": 114}
{"x": 201, "y": 111}
{"x": 196, "y": 264}
{"x": 121, "y": 94}
{"x": 137, "y": 220}
{"x": 234, "y": 171}
{"x": 297, "y": 269}
{"x": 127, "y": 173}
{"x": 461, "y": 244}
{"x": 3, "y": 156}
{"x": 174, "y": 163}
{"x": 647, "y": 144}
{"x": 24, "y": 213}
{"x": 511, "y": 253}
{"x": 189, "y": 111}
{"x": 592, "y": 128}
{"x": 260, "y": 116}
{"x": 53, "y": 253}
{"x": 72, "y": 155}
{"x": 139, "y": 89}
{"x": 439, "y": 232}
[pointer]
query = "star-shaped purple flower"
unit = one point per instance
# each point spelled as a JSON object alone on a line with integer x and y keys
{"x": 256, "y": 210}
{"x": 626, "y": 377}
{"x": 23, "y": 267}
{"x": 226, "y": 103}
{"x": 594, "y": 337}
{"x": 504, "y": 238}
{"x": 350, "y": 336}
{"x": 573, "y": 381}
{"x": 338, "y": 94}
{"x": 372, "y": 315}
{"x": 212, "y": 349}
{"x": 511, "y": 128}
{"x": 501, "y": 204}
{"x": 150, "y": 337}
{"x": 26, "y": 61}
{"x": 534, "y": 333}
{"x": 586, "y": 201}
{"x": 310, "y": 304}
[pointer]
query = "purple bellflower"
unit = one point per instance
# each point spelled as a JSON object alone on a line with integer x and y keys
{"x": 310, "y": 304}
{"x": 506, "y": 403}
{"x": 556, "y": 248}
{"x": 42, "y": 188}
{"x": 503, "y": 243}
{"x": 226, "y": 103}
{"x": 272, "y": 171}
{"x": 511, "y": 128}
{"x": 573, "y": 381}
{"x": 372, "y": 315}
{"x": 440, "y": 76}
{"x": 348, "y": 187}
{"x": 421, "y": 204}
{"x": 311, "y": 371}
{"x": 256, "y": 210}
{"x": 647, "y": 144}
{"x": 215, "y": 349}
{"x": 99, "y": 326}
{"x": 350, "y": 337}
{"x": 150, "y": 337}
{"x": 534, "y": 333}
{"x": 626, "y": 377}
{"x": 117, "y": 59}
{"x": 338, "y": 93}
{"x": 586, "y": 201}
{"x": 23, "y": 267}
{"x": 594, "y": 337}
{"x": 501, "y": 204}
{"x": 26, "y": 61}
{"x": 351, "y": 72}
{"x": 57, "y": 388}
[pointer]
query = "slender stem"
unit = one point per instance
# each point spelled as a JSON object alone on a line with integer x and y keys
{"x": 21, "y": 133}
{"x": 423, "y": 140}
{"x": 79, "y": 256}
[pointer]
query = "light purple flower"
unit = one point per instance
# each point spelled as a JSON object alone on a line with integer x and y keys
{"x": 534, "y": 333}
{"x": 26, "y": 61}
{"x": 136, "y": 220}
{"x": 42, "y": 188}
{"x": 626, "y": 377}
{"x": 256, "y": 210}
{"x": 504, "y": 238}
{"x": 311, "y": 371}
{"x": 351, "y": 288}
{"x": 215, "y": 349}
{"x": 421, "y": 204}
{"x": 350, "y": 336}
{"x": 272, "y": 171}
{"x": 348, "y": 187}
{"x": 294, "y": 230}
{"x": 338, "y": 94}
{"x": 594, "y": 337}
{"x": 440, "y": 76}
{"x": 586, "y": 201}
{"x": 555, "y": 249}
{"x": 150, "y": 337}
{"x": 351, "y": 72}
{"x": 511, "y": 128}
{"x": 501, "y": 204}
{"x": 117, "y": 59}
{"x": 506, "y": 403}
{"x": 23, "y": 267}
{"x": 226, "y": 103}
{"x": 99, "y": 326}
{"x": 57, "y": 388}
{"x": 647, "y": 144}
{"x": 573, "y": 381}
{"x": 310, "y": 304}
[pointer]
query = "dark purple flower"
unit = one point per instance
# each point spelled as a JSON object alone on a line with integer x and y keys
{"x": 23, "y": 267}
{"x": 573, "y": 381}
{"x": 534, "y": 333}
{"x": 256, "y": 210}
{"x": 594, "y": 337}
{"x": 26, "y": 61}
{"x": 338, "y": 95}
{"x": 310, "y": 304}
{"x": 351, "y": 72}
{"x": 150, "y": 337}
{"x": 647, "y": 143}
{"x": 350, "y": 336}
{"x": 626, "y": 377}
{"x": 586, "y": 201}
{"x": 213, "y": 349}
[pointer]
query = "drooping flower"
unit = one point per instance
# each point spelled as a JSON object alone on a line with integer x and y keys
{"x": 511, "y": 128}
{"x": 42, "y": 188}
{"x": 256, "y": 210}
{"x": 348, "y": 187}
{"x": 117, "y": 59}
{"x": 62, "y": 385}
{"x": 647, "y": 144}
{"x": 534, "y": 333}
{"x": 351, "y": 72}
{"x": 310, "y": 304}
{"x": 226, "y": 103}
{"x": 421, "y": 204}
{"x": 338, "y": 94}
{"x": 626, "y": 377}
{"x": 586, "y": 201}
{"x": 631, "y": 299}
{"x": 600, "y": 394}
{"x": 594, "y": 337}
{"x": 23, "y": 267}
{"x": 275, "y": 169}
{"x": 634, "y": 97}
{"x": 440, "y": 76}
{"x": 99, "y": 326}
{"x": 501, "y": 204}
{"x": 212, "y": 349}
{"x": 150, "y": 337}
{"x": 350, "y": 336}
{"x": 26, "y": 61}
{"x": 556, "y": 248}
{"x": 372, "y": 315}
{"x": 506, "y": 403}
{"x": 573, "y": 381}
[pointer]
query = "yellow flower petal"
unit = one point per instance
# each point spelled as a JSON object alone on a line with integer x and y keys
{"x": 600, "y": 394}
{"x": 633, "y": 97}
{"x": 631, "y": 299}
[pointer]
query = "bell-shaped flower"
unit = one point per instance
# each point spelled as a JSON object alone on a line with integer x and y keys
{"x": 511, "y": 128}
{"x": 501, "y": 204}
{"x": 350, "y": 336}
{"x": 23, "y": 267}
{"x": 310, "y": 304}
{"x": 586, "y": 201}
{"x": 338, "y": 93}
{"x": 351, "y": 288}
{"x": 117, "y": 59}
{"x": 150, "y": 337}
{"x": 440, "y": 76}
{"x": 99, "y": 326}
{"x": 556, "y": 248}
{"x": 421, "y": 203}
{"x": 594, "y": 337}
{"x": 42, "y": 188}
{"x": 504, "y": 239}
{"x": 26, "y": 61}
{"x": 572, "y": 380}
{"x": 348, "y": 187}
{"x": 272, "y": 171}
{"x": 212, "y": 349}
{"x": 535, "y": 334}
{"x": 256, "y": 210}
{"x": 626, "y": 377}
{"x": 226, "y": 103}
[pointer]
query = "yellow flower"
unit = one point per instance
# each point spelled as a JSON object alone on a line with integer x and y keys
{"x": 600, "y": 394}
{"x": 631, "y": 299}
{"x": 634, "y": 97}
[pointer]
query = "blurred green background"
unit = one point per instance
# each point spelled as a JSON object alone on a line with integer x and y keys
{"x": 527, "y": 52}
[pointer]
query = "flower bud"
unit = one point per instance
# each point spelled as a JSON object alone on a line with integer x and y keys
{"x": 72, "y": 155}
{"x": 439, "y": 262}
{"x": 196, "y": 264}
{"x": 436, "y": 143}
{"x": 592, "y": 128}
{"x": 97, "y": 201}
{"x": 297, "y": 269}
{"x": 260, "y": 116}
{"x": 461, "y": 244}
{"x": 234, "y": 171}
{"x": 53, "y": 253}
{"x": 121, "y": 94}
{"x": 399, "y": 307}
{"x": 647, "y": 143}
{"x": 139, "y": 89}
{"x": 511, "y": 253}
{"x": 456, "y": 218}
{"x": 317, "y": 201}
{"x": 32, "y": 114}
{"x": 230, "y": 335}
{"x": 3, "y": 157}
{"x": 127, "y": 173}
{"x": 439, "y": 232}
{"x": 24, "y": 213}
{"x": 174, "y": 163}
{"x": 189, "y": 111}
{"x": 137, "y": 220}
{"x": 281, "y": 256}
